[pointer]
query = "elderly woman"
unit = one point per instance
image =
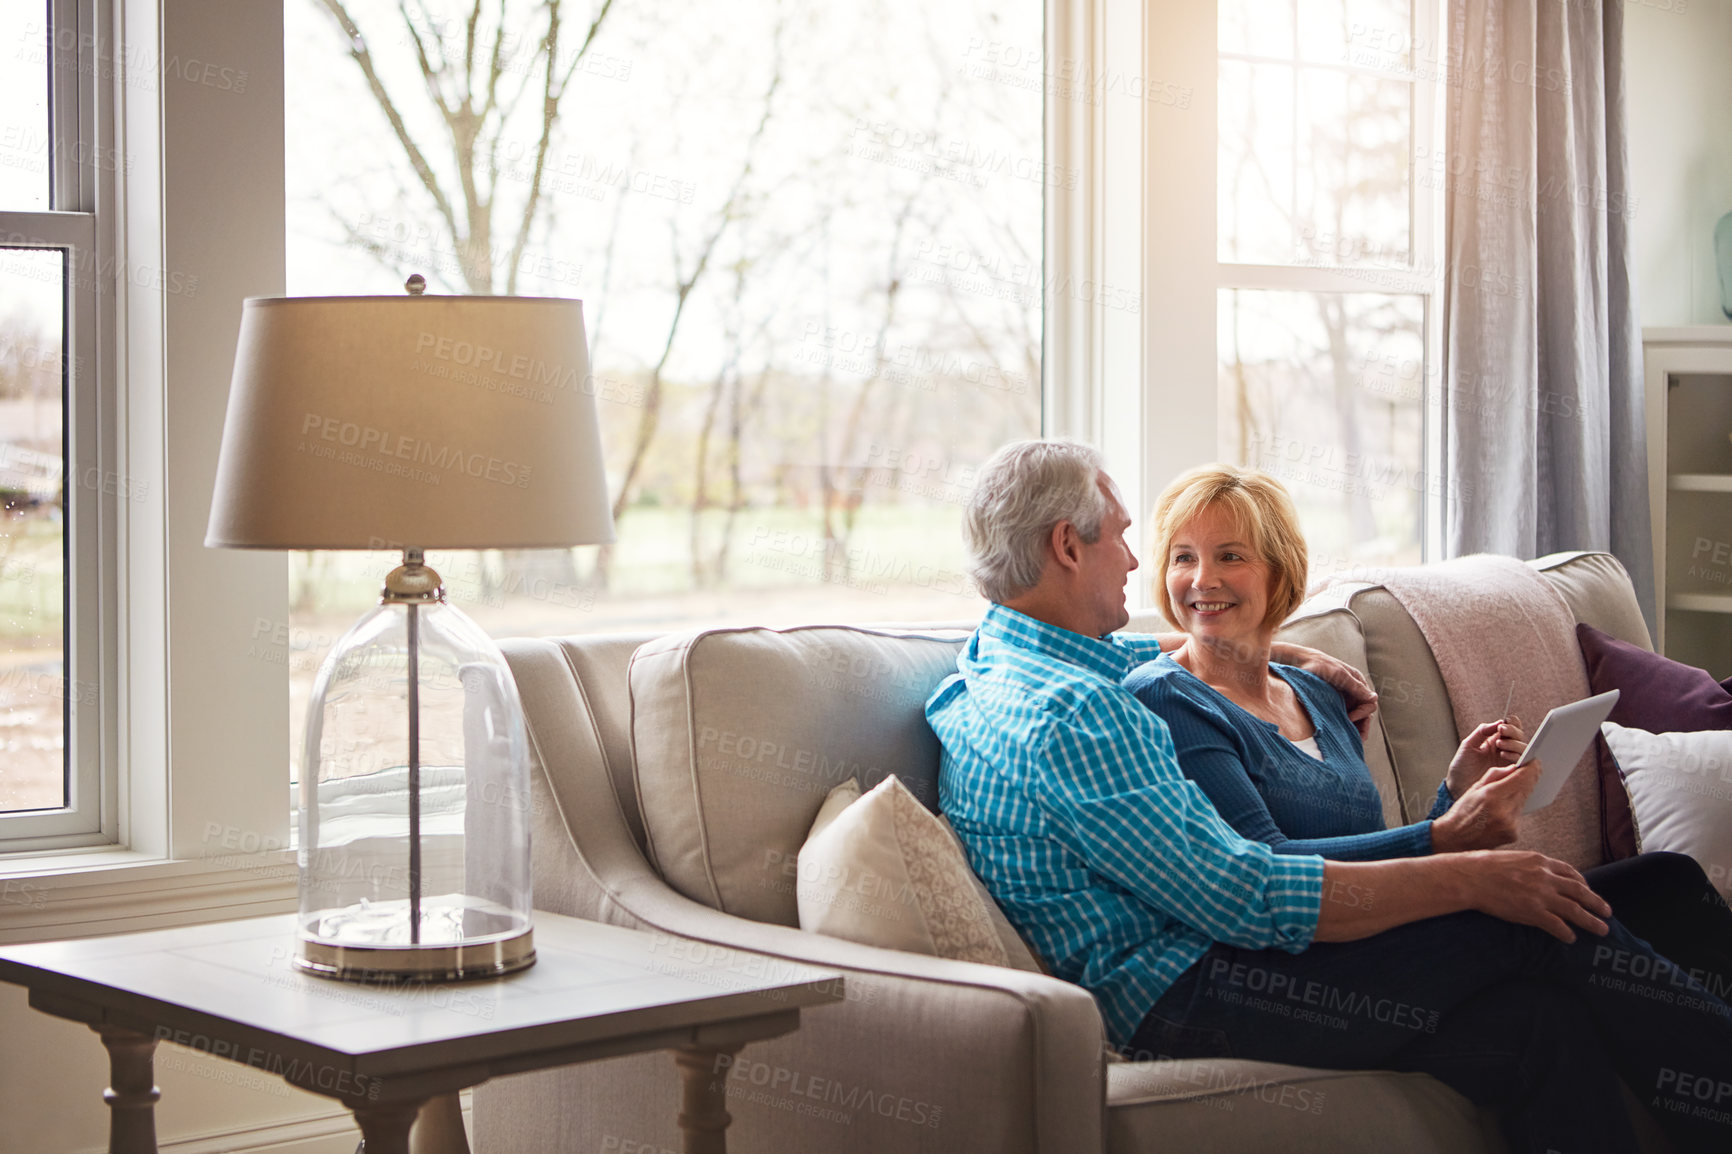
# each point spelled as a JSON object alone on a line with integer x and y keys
{"x": 1272, "y": 746}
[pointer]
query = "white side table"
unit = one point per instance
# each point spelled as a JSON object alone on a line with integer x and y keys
{"x": 596, "y": 991}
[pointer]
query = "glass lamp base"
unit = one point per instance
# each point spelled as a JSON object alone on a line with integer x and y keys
{"x": 434, "y": 962}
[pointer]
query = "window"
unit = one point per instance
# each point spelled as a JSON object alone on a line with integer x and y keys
{"x": 1326, "y": 235}
{"x": 810, "y": 245}
{"x": 58, "y": 482}
{"x": 1326, "y": 253}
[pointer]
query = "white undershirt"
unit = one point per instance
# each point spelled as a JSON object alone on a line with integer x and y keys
{"x": 1309, "y": 745}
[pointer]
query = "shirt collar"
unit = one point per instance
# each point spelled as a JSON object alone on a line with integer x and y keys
{"x": 1098, "y": 655}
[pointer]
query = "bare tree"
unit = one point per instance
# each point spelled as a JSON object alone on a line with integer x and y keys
{"x": 844, "y": 483}
{"x": 734, "y": 207}
{"x": 470, "y": 90}
{"x": 685, "y": 280}
{"x": 471, "y": 87}
{"x": 726, "y": 402}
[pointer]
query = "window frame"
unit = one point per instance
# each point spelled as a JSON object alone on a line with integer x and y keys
{"x": 1104, "y": 94}
{"x": 197, "y": 726}
{"x": 78, "y": 222}
{"x": 193, "y": 756}
{"x": 1182, "y": 244}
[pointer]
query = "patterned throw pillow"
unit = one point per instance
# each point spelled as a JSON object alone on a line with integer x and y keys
{"x": 883, "y": 870}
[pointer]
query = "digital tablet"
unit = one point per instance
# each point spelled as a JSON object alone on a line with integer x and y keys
{"x": 1561, "y": 740}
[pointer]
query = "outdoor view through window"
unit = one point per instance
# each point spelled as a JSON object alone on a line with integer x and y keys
{"x": 808, "y": 243}
{"x": 32, "y": 465}
{"x": 1326, "y": 266}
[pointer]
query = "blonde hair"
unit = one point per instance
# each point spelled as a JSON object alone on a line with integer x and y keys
{"x": 1263, "y": 511}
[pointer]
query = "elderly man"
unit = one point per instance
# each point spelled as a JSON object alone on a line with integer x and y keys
{"x": 1198, "y": 943}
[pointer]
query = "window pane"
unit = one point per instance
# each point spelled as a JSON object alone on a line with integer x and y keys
{"x": 1312, "y": 166}
{"x": 1325, "y": 391}
{"x": 1355, "y": 137}
{"x": 1364, "y": 33}
{"x": 32, "y": 528}
{"x": 1256, "y": 27}
{"x": 1255, "y": 163}
{"x": 24, "y": 134}
{"x": 808, "y": 240}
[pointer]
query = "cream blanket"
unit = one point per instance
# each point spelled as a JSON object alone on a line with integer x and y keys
{"x": 1493, "y": 623}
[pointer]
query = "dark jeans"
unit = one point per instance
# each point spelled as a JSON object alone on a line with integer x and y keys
{"x": 1509, "y": 1016}
{"x": 1666, "y": 899}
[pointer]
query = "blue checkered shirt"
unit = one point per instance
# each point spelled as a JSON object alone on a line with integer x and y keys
{"x": 1066, "y": 793}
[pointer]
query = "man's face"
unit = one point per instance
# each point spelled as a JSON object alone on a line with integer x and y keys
{"x": 1106, "y": 566}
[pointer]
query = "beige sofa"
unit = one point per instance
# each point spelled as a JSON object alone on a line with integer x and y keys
{"x": 676, "y": 779}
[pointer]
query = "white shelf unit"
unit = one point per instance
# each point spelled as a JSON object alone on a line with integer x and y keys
{"x": 1700, "y": 483}
{"x": 1688, "y": 380}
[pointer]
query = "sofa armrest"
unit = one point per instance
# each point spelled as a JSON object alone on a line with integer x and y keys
{"x": 977, "y": 1058}
{"x": 1017, "y": 1055}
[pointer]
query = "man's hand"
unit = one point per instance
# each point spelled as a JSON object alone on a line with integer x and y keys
{"x": 1492, "y": 744}
{"x": 1532, "y": 889}
{"x": 1489, "y": 814}
{"x": 1355, "y": 690}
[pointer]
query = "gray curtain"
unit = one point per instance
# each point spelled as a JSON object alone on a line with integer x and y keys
{"x": 1546, "y": 438}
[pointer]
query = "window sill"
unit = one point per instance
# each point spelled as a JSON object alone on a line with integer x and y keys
{"x": 84, "y": 893}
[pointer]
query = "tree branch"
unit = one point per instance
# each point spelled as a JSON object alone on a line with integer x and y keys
{"x": 653, "y": 395}
{"x": 428, "y": 72}
{"x": 424, "y": 171}
{"x": 552, "y": 93}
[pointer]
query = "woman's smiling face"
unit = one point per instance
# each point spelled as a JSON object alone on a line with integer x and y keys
{"x": 1218, "y": 585}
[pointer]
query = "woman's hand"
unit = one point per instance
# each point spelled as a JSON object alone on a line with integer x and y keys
{"x": 1492, "y": 744}
{"x": 1489, "y": 814}
{"x": 1356, "y": 692}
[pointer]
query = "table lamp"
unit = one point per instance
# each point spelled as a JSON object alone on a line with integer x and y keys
{"x": 413, "y": 423}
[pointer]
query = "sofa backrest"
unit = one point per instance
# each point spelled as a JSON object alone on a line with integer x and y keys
{"x": 720, "y": 745}
{"x": 1414, "y": 737}
{"x": 739, "y": 733}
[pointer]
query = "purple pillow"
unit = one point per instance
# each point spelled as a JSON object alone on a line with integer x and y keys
{"x": 1656, "y": 694}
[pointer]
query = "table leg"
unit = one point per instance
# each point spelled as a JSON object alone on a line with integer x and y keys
{"x": 385, "y": 1127}
{"x": 132, "y": 1092}
{"x": 439, "y": 1129}
{"x": 704, "y": 1113}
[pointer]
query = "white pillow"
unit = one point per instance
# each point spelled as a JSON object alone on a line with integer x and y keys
{"x": 1680, "y": 787}
{"x": 883, "y": 870}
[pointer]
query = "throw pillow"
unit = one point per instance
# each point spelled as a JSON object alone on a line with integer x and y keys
{"x": 883, "y": 870}
{"x": 1656, "y": 694}
{"x": 1680, "y": 787}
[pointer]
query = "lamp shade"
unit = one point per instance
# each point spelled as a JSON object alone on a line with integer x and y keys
{"x": 427, "y": 422}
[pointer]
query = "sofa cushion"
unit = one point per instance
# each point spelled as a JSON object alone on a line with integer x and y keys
{"x": 1232, "y": 1104}
{"x": 1597, "y": 589}
{"x": 1235, "y": 1105}
{"x": 883, "y": 870}
{"x": 738, "y": 734}
{"x": 1412, "y": 700}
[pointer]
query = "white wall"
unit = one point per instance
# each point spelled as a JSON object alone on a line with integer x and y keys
{"x": 1680, "y": 119}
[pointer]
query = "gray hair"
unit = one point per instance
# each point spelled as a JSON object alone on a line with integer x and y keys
{"x": 1024, "y": 490}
